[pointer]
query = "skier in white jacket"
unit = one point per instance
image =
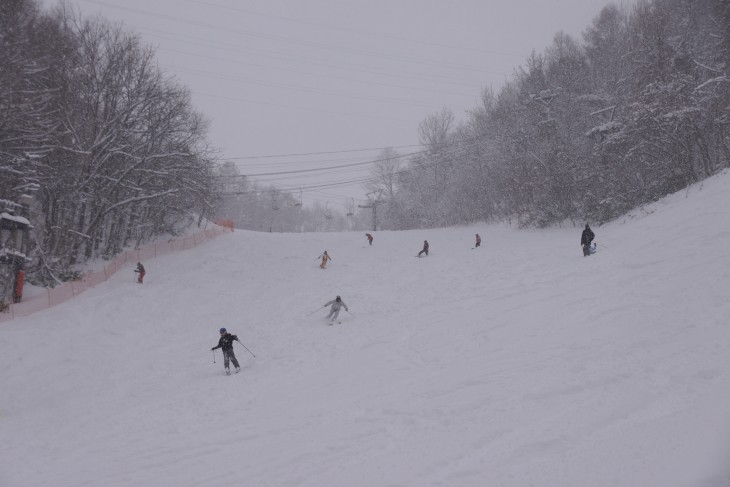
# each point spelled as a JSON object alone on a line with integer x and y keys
{"x": 336, "y": 303}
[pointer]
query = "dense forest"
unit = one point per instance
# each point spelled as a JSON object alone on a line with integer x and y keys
{"x": 113, "y": 154}
{"x": 109, "y": 148}
{"x": 584, "y": 131}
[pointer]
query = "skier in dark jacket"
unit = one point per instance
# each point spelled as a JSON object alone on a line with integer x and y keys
{"x": 140, "y": 270}
{"x": 226, "y": 344}
{"x": 370, "y": 238}
{"x": 585, "y": 240}
{"x": 425, "y": 248}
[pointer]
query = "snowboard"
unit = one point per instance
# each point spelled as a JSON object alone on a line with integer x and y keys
{"x": 591, "y": 250}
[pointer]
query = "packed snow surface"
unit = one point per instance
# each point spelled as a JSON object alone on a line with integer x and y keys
{"x": 519, "y": 363}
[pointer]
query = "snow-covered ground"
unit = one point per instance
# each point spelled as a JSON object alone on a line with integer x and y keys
{"x": 520, "y": 363}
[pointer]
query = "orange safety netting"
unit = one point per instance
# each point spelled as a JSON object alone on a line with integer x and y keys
{"x": 70, "y": 289}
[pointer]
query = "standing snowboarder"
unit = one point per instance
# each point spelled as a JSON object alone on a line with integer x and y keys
{"x": 140, "y": 270}
{"x": 226, "y": 345}
{"x": 370, "y": 238}
{"x": 337, "y": 304}
{"x": 479, "y": 241}
{"x": 425, "y": 248}
{"x": 585, "y": 240}
{"x": 325, "y": 258}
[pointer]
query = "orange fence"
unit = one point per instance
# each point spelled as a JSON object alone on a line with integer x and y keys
{"x": 70, "y": 289}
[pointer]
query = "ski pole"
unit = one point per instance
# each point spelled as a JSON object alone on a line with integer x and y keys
{"x": 213, "y": 355}
{"x": 314, "y": 311}
{"x": 244, "y": 346}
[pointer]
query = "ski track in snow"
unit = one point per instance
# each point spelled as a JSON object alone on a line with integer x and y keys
{"x": 518, "y": 363}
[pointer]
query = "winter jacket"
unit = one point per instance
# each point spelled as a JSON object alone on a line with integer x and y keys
{"x": 336, "y": 304}
{"x": 587, "y": 236}
{"x": 226, "y": 341}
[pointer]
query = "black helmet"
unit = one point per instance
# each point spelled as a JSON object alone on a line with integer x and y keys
{"x": 587, "y": 226}
{"x": 338, "y": 298}
{"x": 222, "y": 330}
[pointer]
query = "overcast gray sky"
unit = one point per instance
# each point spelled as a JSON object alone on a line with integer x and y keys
{"x": 333, "y": 77}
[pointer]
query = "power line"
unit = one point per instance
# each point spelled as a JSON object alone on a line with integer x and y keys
{"x": 296, "y": 42}
{"x": 307, "y": 109}
{"x": 348, "y": 30}
{"x": 305, "y": 89}
{"x": 461, "y": 148}
{"x": 331, "y": 167}
{"x": 267, "y": 83}
{"x": 360, "y": 68}
{"x": 322, "y": 152}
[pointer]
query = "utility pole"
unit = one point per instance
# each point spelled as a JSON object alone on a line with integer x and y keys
{"x": 374, "y": 205}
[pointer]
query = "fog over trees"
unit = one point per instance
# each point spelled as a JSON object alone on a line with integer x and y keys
{"x": 586, "y": 130}
{"x": 115, "y": 155}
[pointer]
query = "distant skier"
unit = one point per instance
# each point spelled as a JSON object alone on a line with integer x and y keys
{"x": 585, "y": 240}
{"x": 140, "y": 270}
{"x": 479, "y": 241}
{"x": 425, "y": 248}
{"x": 370, "y": 238}
{"x": 226, "y": 345}
{"x": 337, "y": 304}
{"x": 325, "y": 258}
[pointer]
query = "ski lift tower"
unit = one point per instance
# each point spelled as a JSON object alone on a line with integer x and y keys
{"x": 298, "y": 202}
{"x": 14, "y": 243}
{"x": 373, "y": 202}
{"x": 327, "y": 216}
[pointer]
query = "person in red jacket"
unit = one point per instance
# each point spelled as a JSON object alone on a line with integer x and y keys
{"x": 370, "y": 238}
{"x": 140, "y": 270}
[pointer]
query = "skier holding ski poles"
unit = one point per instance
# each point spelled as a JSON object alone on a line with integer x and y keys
{"x": 140, "y": 270}
{"x": 337, "y": 304}
{"x": 226, "y": 345}
{"x": 325, "y": 258}
{"x": 585, "y": 240}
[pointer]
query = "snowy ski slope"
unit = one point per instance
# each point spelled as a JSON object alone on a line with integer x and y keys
{"x": 515, "y": 364}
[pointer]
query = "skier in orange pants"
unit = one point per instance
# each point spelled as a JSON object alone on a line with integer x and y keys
{"x": 325, "y": 258}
